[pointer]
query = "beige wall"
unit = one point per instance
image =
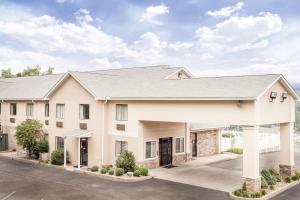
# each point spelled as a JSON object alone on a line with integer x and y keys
{"x": 274, "y": 112}
{"x": 72, "y": 94}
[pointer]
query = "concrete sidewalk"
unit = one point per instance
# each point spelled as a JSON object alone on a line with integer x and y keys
{"x": 198, "y": 173}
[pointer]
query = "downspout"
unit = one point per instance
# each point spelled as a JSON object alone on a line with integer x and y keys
{"x": 103, "y": 130}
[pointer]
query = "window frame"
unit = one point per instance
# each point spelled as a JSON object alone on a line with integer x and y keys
{"x": 117, "y": 115}
{"x": 155, "y": 150}
{"x": 62, "y": 114}
{"x": 56, "y": 142}
{"x": 29, "y": 109}
{"x": 121, "y": 147}
{"x": 11, "y": 112}
{"x": 47, "y": 110}
{"x": 181, "y": 145}
{"x": 82, "y": 115}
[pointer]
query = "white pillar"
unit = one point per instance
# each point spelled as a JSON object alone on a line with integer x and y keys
{"x": 65, "y": 151}
{"x": 286, "y": 149}
{"x": 251, "y": 170}
{"x": 78, "y": 156}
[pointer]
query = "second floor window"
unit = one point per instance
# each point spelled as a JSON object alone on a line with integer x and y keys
{"x": 121, "y": 112}
{"x": 29, "y": 109}
{"x": 13, "y": 109}
{"x": 84, "y": 111}
{"x": 46, "y": 110}
{"x": 60, "y": 111}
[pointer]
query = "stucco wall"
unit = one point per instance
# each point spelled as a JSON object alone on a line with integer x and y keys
{"x": 71, "y": 93}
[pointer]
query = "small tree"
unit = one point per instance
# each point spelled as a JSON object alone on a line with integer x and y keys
{"x": 126, "y": 161}
{"x": 28, "y": 133}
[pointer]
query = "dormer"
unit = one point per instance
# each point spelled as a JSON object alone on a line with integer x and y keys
{"x": 181, "y": 73}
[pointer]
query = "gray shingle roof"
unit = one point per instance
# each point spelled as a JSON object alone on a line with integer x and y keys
{"x": 142, "y": 83}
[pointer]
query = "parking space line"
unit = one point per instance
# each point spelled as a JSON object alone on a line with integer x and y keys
{"x": 6, "y": 197}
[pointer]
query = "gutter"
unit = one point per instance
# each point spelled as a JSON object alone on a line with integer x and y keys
{"x": 103, "y": 130}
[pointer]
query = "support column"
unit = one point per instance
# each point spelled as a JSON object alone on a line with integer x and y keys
{"x": 286, "y": 164}
{"x": 78, "y": 156}
{"x": 188, "y": 142}
{"x": 251, "y": 158}
{"x": 65, "y": 152}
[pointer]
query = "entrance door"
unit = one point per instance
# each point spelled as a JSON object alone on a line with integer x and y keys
{"x": 3, "y": 142}
{"x": 165, "y": 151}
{"x": 194, "y": 144}
{"x": 83, "y": 151}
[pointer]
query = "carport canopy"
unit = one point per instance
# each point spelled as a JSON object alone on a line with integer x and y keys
{"x": 77, "y": 133}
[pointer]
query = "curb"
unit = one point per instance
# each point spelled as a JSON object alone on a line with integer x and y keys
{"x": 269, "y": 195}
{"x": 88, "y": 173}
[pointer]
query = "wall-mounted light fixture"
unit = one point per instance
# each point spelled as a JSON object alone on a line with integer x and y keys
{"x": 273, "y": 96}
{"x": 239, "y": 103}
{"x": 284, "y": 96}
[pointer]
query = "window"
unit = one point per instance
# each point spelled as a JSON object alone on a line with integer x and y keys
{"x": 60, "y": 111}
{"x": 59, "y": 142}
{"x": 151, "y": 149}
{"x": 29, "y": 109}
{"x": 13, "y": 109}
{"x": 47, "y": 110}
{"x": 122, "y": 112}
{"x": 298, "y": 109}
{"x": 84, "y": 111}
{"x": 121, "y": 146}
{"x": 180, "y": 145}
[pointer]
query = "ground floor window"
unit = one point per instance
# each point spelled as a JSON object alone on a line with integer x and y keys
{"x": 150, "y": 149}
{"x": 180, "y": 145}
{"x": 59, "y": 142}
{"x": 120, "y": 147}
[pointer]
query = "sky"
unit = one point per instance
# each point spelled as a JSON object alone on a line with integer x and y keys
{"x": 208, "y": 37}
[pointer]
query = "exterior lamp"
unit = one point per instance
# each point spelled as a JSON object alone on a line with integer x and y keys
{"x": 273, "y": 96}
{"x": 283, "y": 96}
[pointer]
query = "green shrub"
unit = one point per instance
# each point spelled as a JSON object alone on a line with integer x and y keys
{"x": 143, "y": 170}
{"x": 228, "y": 135}
{"x": 103, "y": 171}
{"x": 288, "y": 179}
{"x": 137, "y": 173}
{"x": 126, "y": 161}
{"x": 295, "y": 178}
{"x": 297, "y": 173}
{"x": 111, "y": 172}
{"x": 267, "y": 175}
{"x": 263, "y": 192}
{"x": 264, "y": 184}
{"x": 275, "y": 174}
{"x": 43, "y": 146}
{"x": 119, "y": 172}
{"x": 244, "y": 188}
{"x": 95, "y": 168}
{"x": 235, "y": 150}
{"x": 57, "y": 157}
{"x": 107, "y": 167}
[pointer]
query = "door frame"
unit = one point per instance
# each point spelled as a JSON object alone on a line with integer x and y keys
{"x": 81, "y": 152}
{"x": 170, "y": 140}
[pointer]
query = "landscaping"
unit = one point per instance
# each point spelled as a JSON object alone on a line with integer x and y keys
{"x": 238, "y": 151}
{"x": 270, "y": 181}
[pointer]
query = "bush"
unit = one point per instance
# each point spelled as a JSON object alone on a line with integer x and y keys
{"x": 288, "y": 179}
{"x": 43, "y": 146}
{"x": 275, "y": 174}
{"x": 57, "y": 157}
{"x": 263, "y": 192}
{"x": 103, "y": 171}
{"x": 137, "y": 173}
{"x": 126, "y": 161}
{"x": 264, "y": 184}
{"x": 295, "y": 178}
{"x": 244, "y": 193}
{"x": 95, "y": 168}
{"x": 235, "y": 150}
{"x": 107, "y": 167}
{"x": 297, "y": 173}
{"x": 228, "y": 135}
{"x": 119, "y": 172}
{"x": 267, "y": 175}
{"x": 111, "y": 172}
{"x": 143, "y": 170}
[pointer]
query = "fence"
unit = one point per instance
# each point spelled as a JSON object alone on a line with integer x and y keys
{"x": 268, "y": 142}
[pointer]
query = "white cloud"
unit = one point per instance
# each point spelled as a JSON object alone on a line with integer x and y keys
{"x": 152, "y": 12}
{"x": 227, "y": 11}
{"x": 104, "y": 63}
{"x": 239, "y": 33}
{"x": 64, "y": 1}
{"x": 83, "y": 16}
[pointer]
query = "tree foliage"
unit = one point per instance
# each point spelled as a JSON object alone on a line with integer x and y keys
{"x": 28, "y": 134}
{"x": 28, "y": 71}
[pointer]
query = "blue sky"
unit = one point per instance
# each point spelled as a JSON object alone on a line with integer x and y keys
{"x": 210, "y": 38}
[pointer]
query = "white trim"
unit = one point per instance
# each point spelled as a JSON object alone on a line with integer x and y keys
{"x": 179, "y": 98}
{"x": 189, "y": 74}
{"x": 156, "y": 156}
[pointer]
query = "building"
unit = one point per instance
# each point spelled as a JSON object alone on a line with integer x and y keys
{"x": 162, "y": 114}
